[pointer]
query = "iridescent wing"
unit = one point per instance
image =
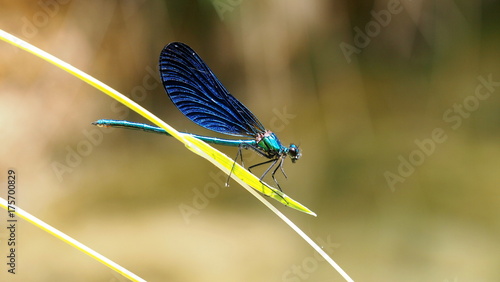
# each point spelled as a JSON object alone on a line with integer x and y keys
{"x": 200, "y": 96}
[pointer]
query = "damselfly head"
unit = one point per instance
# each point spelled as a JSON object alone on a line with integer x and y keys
{"x": 294, "y": 152}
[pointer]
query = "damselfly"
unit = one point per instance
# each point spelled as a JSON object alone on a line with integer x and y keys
{"x": 201, "y": 97}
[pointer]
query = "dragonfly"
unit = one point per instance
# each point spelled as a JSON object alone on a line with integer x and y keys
{"x": 199, "y": 95}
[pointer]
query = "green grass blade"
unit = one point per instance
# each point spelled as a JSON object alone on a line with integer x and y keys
{"x": 195, "y": 145}
{"x": 240, "y": 174}
{"x": 51, "y": 230}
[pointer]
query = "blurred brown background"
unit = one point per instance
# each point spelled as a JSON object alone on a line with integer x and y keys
{"x": 395, "y": 105}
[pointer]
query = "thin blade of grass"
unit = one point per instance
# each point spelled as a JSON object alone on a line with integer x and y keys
{"x": 49, "y": 229}
{"x": 240, "y": 174}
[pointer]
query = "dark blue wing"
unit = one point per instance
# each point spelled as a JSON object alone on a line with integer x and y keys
{"x": 200, "y": 96}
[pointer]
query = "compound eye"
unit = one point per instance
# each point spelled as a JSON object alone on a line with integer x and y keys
{"x": 294, "y": 152}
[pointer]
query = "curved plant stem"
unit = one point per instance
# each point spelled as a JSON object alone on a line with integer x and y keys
{"x": 226, "y": 164}
{"x": 74, "y": 243}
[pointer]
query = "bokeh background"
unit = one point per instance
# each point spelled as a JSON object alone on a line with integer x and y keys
{"x": 358, "y": 84}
